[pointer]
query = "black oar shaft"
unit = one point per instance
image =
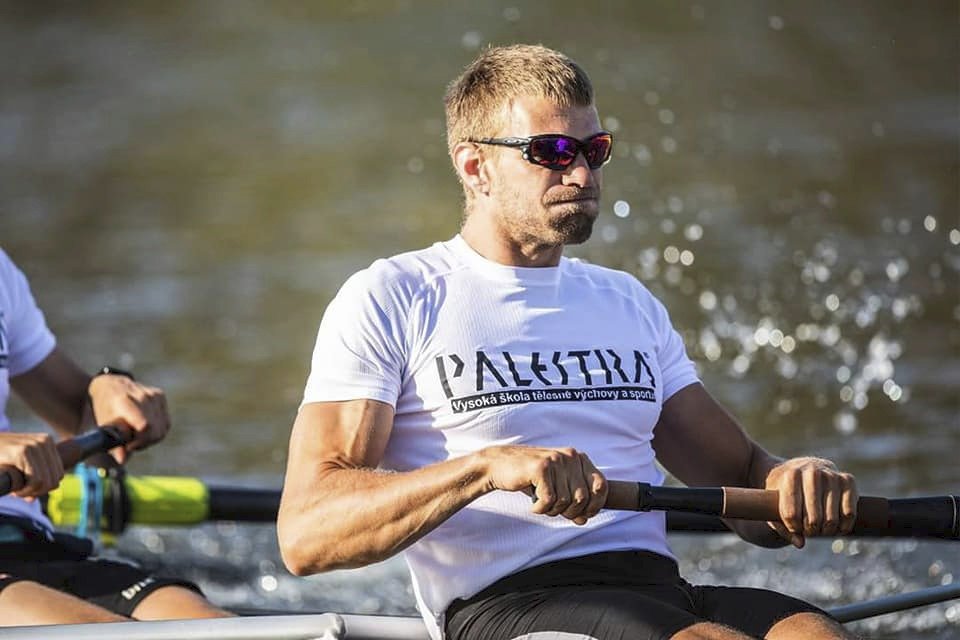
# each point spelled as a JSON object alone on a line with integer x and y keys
{"x": 261, "y": 505}
{"x": 688, "y": 509}
{"x": 917, "y": 517}
{"x": 246, "y": 505}
{"x": 914, "y": 516}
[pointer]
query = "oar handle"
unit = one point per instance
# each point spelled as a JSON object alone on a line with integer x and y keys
{"x": 71, "y": 452}
{"x": 937, "y": 516}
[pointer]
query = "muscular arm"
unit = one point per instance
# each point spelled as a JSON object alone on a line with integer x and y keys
{"x": 337, "y": 511}
{"x": 703, "y": 445}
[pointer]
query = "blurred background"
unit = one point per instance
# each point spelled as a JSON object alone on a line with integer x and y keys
{"x": 187, "y": 184}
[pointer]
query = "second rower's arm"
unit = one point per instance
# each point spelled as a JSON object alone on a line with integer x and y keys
{"x": 71, "y": 400}
{"x": 701, "y": 444}
{"x": 338, "y": 511}
{"x": 56, "y": 390}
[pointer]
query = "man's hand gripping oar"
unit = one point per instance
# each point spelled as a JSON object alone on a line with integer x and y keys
{"x": 35, "y": 466}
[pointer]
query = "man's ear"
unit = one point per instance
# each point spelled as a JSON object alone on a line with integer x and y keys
{"x": 469, "y": 163}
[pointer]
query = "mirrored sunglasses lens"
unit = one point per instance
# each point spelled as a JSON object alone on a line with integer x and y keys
{"x": 599, "y": 151}
{"x": 553, "y": 152}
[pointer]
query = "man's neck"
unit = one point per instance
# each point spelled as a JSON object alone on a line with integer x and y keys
{"x": 496, "y": 245}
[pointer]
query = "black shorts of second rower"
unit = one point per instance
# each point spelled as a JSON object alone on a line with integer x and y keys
{"x": 64, "y": 563}
{"x": 622, "y": 595}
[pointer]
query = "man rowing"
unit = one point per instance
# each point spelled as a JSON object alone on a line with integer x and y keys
{"x": 451, "y": 384}
{"x": 49, "y": 578}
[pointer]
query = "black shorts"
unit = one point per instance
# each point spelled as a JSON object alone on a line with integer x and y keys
{"x": 623, "y": 595}
{"x": 64, "y": 564}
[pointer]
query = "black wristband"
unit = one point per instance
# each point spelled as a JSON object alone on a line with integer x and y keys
{"x": 113, "y": 371}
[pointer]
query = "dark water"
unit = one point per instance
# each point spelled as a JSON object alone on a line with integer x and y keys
{"x": 187, "y": 184}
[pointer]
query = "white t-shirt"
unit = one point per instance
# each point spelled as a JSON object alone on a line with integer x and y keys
{"x": 472, "y": 353}
{"x": 25, "y": 341}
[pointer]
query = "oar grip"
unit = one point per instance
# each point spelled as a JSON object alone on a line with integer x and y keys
{"x": 750, "y": 504}
{"x": 937, "y": 516}
{"x": 763, "y": 504}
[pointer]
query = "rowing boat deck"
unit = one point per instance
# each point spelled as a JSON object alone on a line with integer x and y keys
{"x": 325, "y": 626}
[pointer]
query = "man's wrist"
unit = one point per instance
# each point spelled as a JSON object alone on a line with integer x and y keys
{"x": 762, "y": 465}
{"x": 103, "y": 374}
{"x": 108, "y": 370}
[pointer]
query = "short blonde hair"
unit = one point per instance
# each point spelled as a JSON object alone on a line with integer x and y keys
{"x": 475, "y": 102}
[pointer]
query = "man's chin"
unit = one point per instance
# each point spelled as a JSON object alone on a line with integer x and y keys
{"x": 574, "y": 229}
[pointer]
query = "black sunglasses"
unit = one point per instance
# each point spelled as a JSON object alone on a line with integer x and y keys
{"x": 557, "y": 151}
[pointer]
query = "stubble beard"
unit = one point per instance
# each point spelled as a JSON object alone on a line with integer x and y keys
{"x": 574, "y": 227}
{"x": 549, "y": 223}
{"x": 570, "y": 219}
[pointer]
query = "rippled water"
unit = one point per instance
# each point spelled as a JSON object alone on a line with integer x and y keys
{"x": 187, "y": 185}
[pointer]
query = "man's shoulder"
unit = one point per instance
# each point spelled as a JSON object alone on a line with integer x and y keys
{"x": 425, "y": 262}
{"x": 601, "y": 276}
{"x": 407, "y": 272}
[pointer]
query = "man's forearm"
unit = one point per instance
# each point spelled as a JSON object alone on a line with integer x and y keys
{"x": 351, "y": 517}
{"x": 56, "y": 390}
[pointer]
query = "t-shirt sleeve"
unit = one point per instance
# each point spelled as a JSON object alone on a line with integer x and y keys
{"x": 24, "y": 334}
{"x": 677, "y": 369}
{"x": 360, "y": 346}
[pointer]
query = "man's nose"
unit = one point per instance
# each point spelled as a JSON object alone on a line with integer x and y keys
{"x": 579, "y": 173}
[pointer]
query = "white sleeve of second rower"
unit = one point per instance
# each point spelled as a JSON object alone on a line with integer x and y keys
{"x": 29, "y": 340}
